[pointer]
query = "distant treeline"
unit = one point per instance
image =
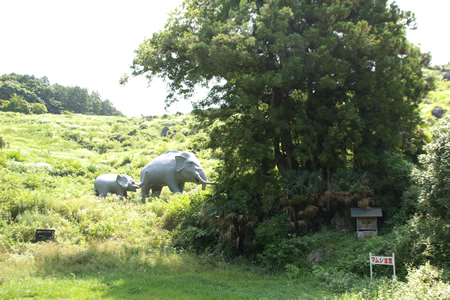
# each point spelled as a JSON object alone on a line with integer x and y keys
{"x": 28, "y": 94}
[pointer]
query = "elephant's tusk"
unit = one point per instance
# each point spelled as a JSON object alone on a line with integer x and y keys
{"x": 204, "y": 181}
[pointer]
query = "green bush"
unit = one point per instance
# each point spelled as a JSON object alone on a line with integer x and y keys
{"x": 334, "y": 279}
{"x": 183, "y": 208}
{"x": 17, "y": 104}
{"x": 15, "y": 155}
{"x": 69, "y": 167}
{"x": 429, "y": 230}
{"x": 285, "y": 252}
{"x": 183, "y": 215}
{"x": 389, "y": 180}
{"x": 38, "y": 108}
{"x": 272, "y": 230}
{"x": 2, "y": 142}
{"x": 425, "y": 282}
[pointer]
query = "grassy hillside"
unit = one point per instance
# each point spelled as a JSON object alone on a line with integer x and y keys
{"x": 49, "y": 163}
{"x": 439, "y": 97}
{"x": 106, "y": 248}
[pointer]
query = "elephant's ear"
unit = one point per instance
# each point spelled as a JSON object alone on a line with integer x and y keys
{"x": 179, "y": 162}
{"x": 122, "y": 181}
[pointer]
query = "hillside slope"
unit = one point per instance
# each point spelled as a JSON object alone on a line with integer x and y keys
{"x": 440, "y": 97}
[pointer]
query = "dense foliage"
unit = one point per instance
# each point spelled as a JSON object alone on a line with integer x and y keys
{"x": 304, "y": 95}
{"x": 30, "y": 95}
{"x": 429, "y": 230}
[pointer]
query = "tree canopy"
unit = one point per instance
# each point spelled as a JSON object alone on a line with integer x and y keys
{"x": 295, "y": 86}
{"x": 40, "y": 97}
{"x": 299, "y": 83}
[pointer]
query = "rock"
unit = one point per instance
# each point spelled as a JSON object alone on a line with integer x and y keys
{"x": 117, "y": 137}
{"x": 193, "y": 132}
{"x": 319, "y": 255}
{"x": 446, "y": 76}
{"x": 164, "y": 131}
{"x": 437, "y": 112}
{"x": 149, "y": 118}
{"x": 120, "y": 121}
{"x": 427, "y": 102}
{"x": 340, "y": 221}
{"x": 143, "y": 126}
{"x": 302, "y": 226}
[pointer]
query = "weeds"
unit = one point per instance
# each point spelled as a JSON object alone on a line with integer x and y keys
{"x": 126, "y": 249}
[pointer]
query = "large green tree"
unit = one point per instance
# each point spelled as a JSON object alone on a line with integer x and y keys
{"x": 318, "y": 85}
{"x": 300, "y": 84}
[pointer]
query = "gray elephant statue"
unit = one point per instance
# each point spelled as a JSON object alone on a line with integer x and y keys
{"x": 172, "y": 169}
{"x": 116, "y": 184}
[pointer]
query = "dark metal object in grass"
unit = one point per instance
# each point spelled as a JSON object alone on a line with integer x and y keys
{"x": 44, "y": 235}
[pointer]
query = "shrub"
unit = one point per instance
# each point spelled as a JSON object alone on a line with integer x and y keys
{"x": 17, "y": 104}
{"x": 184, "y": 216}
{"x": 2, "y": 142}
{"x": 425, "y": 282}
{"x": 272, "y": 230}
{"x": 15, "y": 155}
{"x": 389, "y": 181}
{"x": 69, "y": 167}
{"x": 104, "y": 147}
{"x": 38, "y": 108}
{"x": 335, "y": 280}
{"x": 126, "y": 160}
{"x": 292, "y": 251}
{"x": 430, "y": 228}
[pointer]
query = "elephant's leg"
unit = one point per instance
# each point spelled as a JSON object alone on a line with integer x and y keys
{"x": 144, "y": 192}
{"x": 156, "y": 191}
{"x": 103, "y": 195}
{"x": 174, "y": 188}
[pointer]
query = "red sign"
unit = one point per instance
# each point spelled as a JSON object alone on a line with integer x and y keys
{"x": 381, "y": 260}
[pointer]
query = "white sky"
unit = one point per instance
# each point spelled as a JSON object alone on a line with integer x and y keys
{"x": 90, "y": 44}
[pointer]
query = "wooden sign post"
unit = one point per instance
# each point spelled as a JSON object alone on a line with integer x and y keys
{"x": 382, "y": 260}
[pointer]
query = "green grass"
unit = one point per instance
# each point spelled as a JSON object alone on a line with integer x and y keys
{"x": 109, "y": 249}
{"x": 439, "y": 97}
{"x": 109, "y": 270}
{"x": 106, "y": 248}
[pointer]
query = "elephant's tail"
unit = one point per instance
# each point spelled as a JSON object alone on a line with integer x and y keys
{"x": 143, "y": 176}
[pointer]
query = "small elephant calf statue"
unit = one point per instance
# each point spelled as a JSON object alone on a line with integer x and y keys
{"x": 115, "y": 183}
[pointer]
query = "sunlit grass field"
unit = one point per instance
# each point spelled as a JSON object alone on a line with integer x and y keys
{"x": 106, "y": 248}
{"x": 112, "y": 249}
{"x": 106, "y": 270}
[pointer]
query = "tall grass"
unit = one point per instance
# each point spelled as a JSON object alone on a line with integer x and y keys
{"x": 107, "y": 248}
